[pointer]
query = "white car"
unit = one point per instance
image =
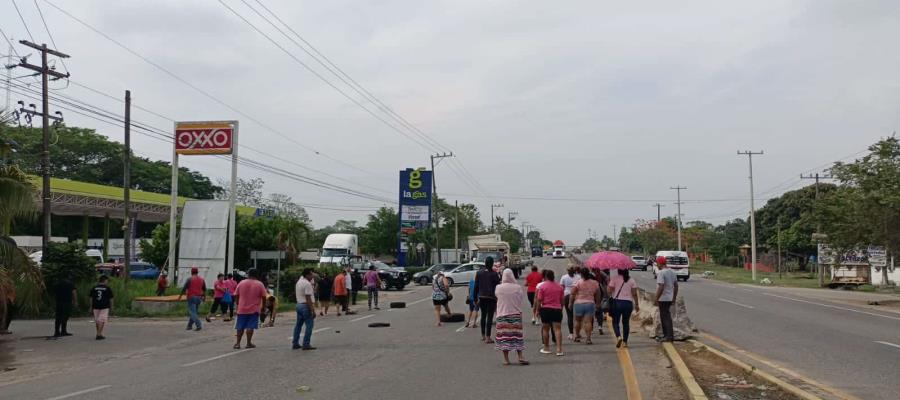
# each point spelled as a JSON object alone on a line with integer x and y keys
{"x": 678, "y": 261}
{"x": 463, "y": 273}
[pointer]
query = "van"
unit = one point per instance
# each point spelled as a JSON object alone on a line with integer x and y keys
{"x": 339, "y": 248}
{"x": 678, "y": 261}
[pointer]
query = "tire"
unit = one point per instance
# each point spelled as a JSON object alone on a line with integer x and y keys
{"x": 455, "y": 317}
{"x": 379, "y": 325}
{"x": 423, "y": 281}
{"x": 398, "y": 304}
{"x": 399, "y": 287}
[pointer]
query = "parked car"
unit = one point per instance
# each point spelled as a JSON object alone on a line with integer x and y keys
{"x": 463, "y": 273}
{"x": 143, "y": 270}
{"x": 110, "y": 268}
{"x": 425, "y": 277}
{"x": 640, "y": 262}
{"x": 391, "y": 277}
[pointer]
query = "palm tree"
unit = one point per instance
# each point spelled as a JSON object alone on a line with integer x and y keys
{"x": 291, "y": 237}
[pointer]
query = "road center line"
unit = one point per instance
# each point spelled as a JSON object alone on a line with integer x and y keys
{"x": 321, "y": 329}
{"x": 215, "y": 358}
{"x": 419, "y": 301}
{"x": 462, "y": 328}
{"x": 362, "y": 318}
{"x": 888, "y": 344}
{"x": 736, "y": 303}
{"x": 834, "y": 307}
{"x": 80, "y": 392}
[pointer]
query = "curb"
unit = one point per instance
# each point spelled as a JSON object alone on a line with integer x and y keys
{"x": 764, "y": 375}
{"x": 684, "y": 374}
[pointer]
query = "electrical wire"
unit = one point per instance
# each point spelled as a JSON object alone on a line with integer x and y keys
{"x": 23, "y": 20}
{"x": 47, "y": 28}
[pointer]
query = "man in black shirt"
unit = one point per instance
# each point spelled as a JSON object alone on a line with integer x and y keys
{"x": 486, "y": 280}
{"x": 66, "y": 299}
{"x": 101, "y": 303}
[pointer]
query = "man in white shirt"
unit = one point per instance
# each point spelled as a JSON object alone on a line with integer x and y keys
{"x": 666, "y": 293}
{"x": 306, "y": 309}
{"x": 568, "y": 281}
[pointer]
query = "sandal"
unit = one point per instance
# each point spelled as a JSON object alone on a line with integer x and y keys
{"x": 251, "y": 346}
{"x": 236, "y": 347}
{"x": 560, "y": 354}
{"x": 523, "y": 362}
{"x": 588, "y": 342}
{"x": 577, "y": 340}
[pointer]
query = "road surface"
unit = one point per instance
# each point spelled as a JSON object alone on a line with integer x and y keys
{"x": 413, "y": 359}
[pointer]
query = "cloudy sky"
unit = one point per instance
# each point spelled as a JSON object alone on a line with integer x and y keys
{"x": 576, "y": 115}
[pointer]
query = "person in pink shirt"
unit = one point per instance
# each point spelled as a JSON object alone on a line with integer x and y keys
{"x": 218, "y": 294}
{"x": 510, "y": 333}
{"x": 249, "y": 296}
{"x": 230, "y": 285}
{"x": 624, "y": 292}
{"x": 548, "y": 303}
{"x": 583, "y": 301}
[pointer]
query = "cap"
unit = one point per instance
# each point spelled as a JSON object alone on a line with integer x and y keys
{"x": 194, "y": 270}
{"x": 661, "y": 260}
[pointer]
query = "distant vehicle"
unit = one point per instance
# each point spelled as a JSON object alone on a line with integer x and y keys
{"x": 425, "y": 277}
{"x": 339, "y": 248}
{"x": 391, "y": 277}
{"x": 640, "y": 262}
{"x": 577, "y": 250}
{"x": 94, "y": 254}
{"x": 463, "y": 273}
{"x": 676, "y": 260}
{"x": 143, "y": 270}
{"x": 559, "y": 249}
{"x": 537, "y": 252}
{"x": 111, "y": 268}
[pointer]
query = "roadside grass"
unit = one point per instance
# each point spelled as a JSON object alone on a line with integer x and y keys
{"x": 740, "y": 275}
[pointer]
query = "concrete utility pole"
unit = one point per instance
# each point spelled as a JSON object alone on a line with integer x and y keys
{"x": 9, "y": 66}
{"x": 510, "y": 216}
{"x": 126, "y": 184}
{"x": 750, "y": 155}
{"x": 46, "y": 73}
{"x": 658, "y": 212}
{"x": 820, "y": 269}
{"x": 456, "y": 230}
{"x": 494, "y": 206}
{"x": 437, "y": 217}
{"x": 678, "y": 216}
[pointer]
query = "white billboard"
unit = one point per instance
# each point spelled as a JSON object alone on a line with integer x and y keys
{"x": 203, "y": 238}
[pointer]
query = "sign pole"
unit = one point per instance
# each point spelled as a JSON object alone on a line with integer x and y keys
{"x": 173, "y": 211}
{"x": 229, "y": 266}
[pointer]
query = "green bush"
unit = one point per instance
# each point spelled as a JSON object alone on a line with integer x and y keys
{"x": 67, "y": 261}
{"x": 290, "y": 275}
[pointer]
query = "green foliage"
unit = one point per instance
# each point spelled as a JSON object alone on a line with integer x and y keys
{"x": 67, "y": 261}
{"x": 380, "y": 234}
{"x": 156, "y": 250}
{"x": 20, "y": 277}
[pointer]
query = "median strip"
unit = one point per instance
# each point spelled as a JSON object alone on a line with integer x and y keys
{"x": 632, "y": 389}
{"x": 684, "y": 374}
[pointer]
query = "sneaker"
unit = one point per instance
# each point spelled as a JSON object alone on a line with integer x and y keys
{"x": 100, "y": 337}
{"x": 571, "y": 337}
{"x": 197, "y": 329}
{"x": 208, "y": 319}
{"x": 308, "y": 348}
{"x": 296, "y": 347}
{"x": 619, "y": 343}
{"x": 544, "y": 351}
{"x": 189, "y": 328}
{"x": 65, "y": 334}
{"x": 377, "y": 308}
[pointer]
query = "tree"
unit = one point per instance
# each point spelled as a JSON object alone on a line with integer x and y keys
{"x": 654, "y": 236}
{"x": 20, "y": 277}
{"x": 792, "y": 212}
{"x": 156, "y": 250}
{"x": 285, "y": 207}
{"x": 379, "y": 236}
{"x": 247, "y": 192}
{"x": 291, "y": 236}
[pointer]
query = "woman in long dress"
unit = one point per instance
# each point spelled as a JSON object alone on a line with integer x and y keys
{"x": 510, "y": 334}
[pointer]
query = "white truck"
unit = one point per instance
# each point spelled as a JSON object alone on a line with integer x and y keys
{"x": 678, "y": 261}
{"x": 338, "y": 248}
{"x": 490, "y": 245}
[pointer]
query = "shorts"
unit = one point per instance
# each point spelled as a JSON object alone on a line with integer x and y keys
{"x": 101, "y": 316}
{"x": 584, "y": 309}
{"x": 440, "y": 302}
{"x": 551, "y": 315}
{"x": 472, "y": 306}
{"x": 247, "y": 321}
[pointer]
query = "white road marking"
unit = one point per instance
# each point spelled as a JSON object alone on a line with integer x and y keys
{"x": 888, "y": 344}
{"x": 834, "y": 307}
{"x": 749, "y": 290}
{"x": 419, "y": 301}
{"x": 215, "y": 358}
{"x": 462, "y": 328}
{"x": 80, "y": 392}
{"x": 736, "y": 303}
{"x": 362, "y": 318}
{"x": 321, "y": 329}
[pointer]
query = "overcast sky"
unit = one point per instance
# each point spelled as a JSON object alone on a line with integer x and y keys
{"x": 599, "y": 100}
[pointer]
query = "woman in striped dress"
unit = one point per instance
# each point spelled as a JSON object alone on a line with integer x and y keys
{"x": 510, "y": 334}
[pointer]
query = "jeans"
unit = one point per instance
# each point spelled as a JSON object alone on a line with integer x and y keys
{"x": 570, "y": 321}
{"x": 488, "y": 307}
{"x": 193, "y": 305}
{"x": 217, "y": 303}
{"x": 622, "y": 311}
{"x": 63, "y": 310}
{"x": 373, "y": 294}
{"x": 304, "y": 317}
{"x": 665, "y": 318}
{"x": 353, "y": 295}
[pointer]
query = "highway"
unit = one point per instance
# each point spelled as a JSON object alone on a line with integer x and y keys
{"x": 852, "y": 348}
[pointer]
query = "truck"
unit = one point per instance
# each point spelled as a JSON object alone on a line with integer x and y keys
{"x": 339, "y": 248}
{"x": 484, "y": 246}
{"x": 559, "y": 249}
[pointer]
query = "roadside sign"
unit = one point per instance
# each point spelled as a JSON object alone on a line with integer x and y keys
{"x": 204, "y": 137}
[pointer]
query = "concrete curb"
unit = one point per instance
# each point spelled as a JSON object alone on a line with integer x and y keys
{"x": 796, "y": 391}
{"x": 684, "y": 374}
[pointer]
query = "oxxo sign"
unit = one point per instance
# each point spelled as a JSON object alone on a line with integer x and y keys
{"x": 203, "y": 137}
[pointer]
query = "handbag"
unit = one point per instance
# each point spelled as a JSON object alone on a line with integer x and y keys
{"x": 608, "y": 304}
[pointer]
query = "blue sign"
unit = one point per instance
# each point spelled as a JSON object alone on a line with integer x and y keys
{"x": 415, "y": 207}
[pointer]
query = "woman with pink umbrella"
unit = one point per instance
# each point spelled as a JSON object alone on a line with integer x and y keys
{"x": 605, "y": 261}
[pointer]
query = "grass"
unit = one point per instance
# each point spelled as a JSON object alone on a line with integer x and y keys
{"x": 740, "y": 275}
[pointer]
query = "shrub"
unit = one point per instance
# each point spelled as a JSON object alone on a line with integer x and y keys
{"x": 67, "y": 261}
{"x": 290, "y": 275}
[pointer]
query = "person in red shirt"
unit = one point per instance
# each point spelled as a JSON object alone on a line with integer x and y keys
{"x": 531, "y": 281}
{"x": 195, "y": 289}
{"x": 340, "y": 292}
{"x": 161, "y": 284}
{"x": 219, "y": 289}
{"x": 230, "y": 286}
{"x": 249, "y": 296}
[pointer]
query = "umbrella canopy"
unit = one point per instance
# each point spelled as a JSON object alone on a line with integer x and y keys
{"x": 606, "y": 260}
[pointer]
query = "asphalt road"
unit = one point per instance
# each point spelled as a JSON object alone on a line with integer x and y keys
{"x": 855, "y": 349}
{"x": 413, "y": 359}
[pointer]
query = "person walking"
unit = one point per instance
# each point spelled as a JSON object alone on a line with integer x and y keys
{"x": 219, "y": 290}
{"x": 568, "y": 281}
{"x": 373, "y": 284}
{"x": 486, "y": 281}
{"x": 228, "y": 299}
{"x": 531, "y": 282}
{"x": 306, "y": 310}
{"x": 600, "y": 315}
{"x": 583, "y": 301}
{"x": 101, "y": 303}
{"x": 548, "y": 304}
{"x": 195, "y": 289}
{"x": 326, "y": 286}
{"x": 471, "y": 301}
{"x": 356, "y": 281}
{"x": 510, "y": 329}
{"x": 66, "y": 299}
{"x": 340, "y": 292}
{"x": 249, "y": 296}
{"x": 666, "y": 294}
{"x": 440, "y": 295}
{"x": 348, "y": 284}
{"x": 624, "y": 301}
{"x": 162, "y": 283}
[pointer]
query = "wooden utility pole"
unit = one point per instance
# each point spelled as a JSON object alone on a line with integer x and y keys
{"x": 437, "y": 217}
{"x": 678, "y": 216}
{"x": 494, "y": 206}
{"x": 46, "y": 73}
{"x": 820, "y": 269}
{"x": 456, "y": 230}
{"x": 779, "y": 249}
{"x": 658, "y": 212}
{"x": 126, "y": 183}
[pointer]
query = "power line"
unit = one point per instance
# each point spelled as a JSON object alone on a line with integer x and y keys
{"x": 47, "y": 28}
{"x": 30, "y": 36}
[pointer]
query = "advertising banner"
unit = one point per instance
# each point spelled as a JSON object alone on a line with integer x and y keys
{"x": 415, "y": 209}
{"x": 204, "y": 137}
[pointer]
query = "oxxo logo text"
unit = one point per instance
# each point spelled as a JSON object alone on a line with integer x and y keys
{"x": 198, "y": 139}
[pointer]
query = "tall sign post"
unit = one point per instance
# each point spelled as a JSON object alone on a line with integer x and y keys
{"x": 415, "y": 208}
{"x": 203, "y": 137}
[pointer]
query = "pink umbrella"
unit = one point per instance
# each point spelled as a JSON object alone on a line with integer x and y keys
{"x": 606, "y": 260}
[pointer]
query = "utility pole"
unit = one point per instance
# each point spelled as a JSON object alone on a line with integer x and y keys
{"x": 678, "y": 216}
{"x": 494, "y": 206}
{"x": 127, "y": 184}
{"x": 820, "y": 269}
{"x": 750, "y": 155}
{"x": 46, "y": 73}
{"x": 658, "y": 212}
{"x": 779, "y": 248}
{"x": 510, "y": 216}
{"x": 437, "y": 217}
{"x": 456, "y": 230}
{"x": 615, "y": 239}
{"x": 9, "y": 66}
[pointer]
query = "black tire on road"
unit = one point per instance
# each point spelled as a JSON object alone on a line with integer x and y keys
{"x": 379, "y": 325}
{"x": 398, "y": 304}
{"x": 455, "y": 317}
